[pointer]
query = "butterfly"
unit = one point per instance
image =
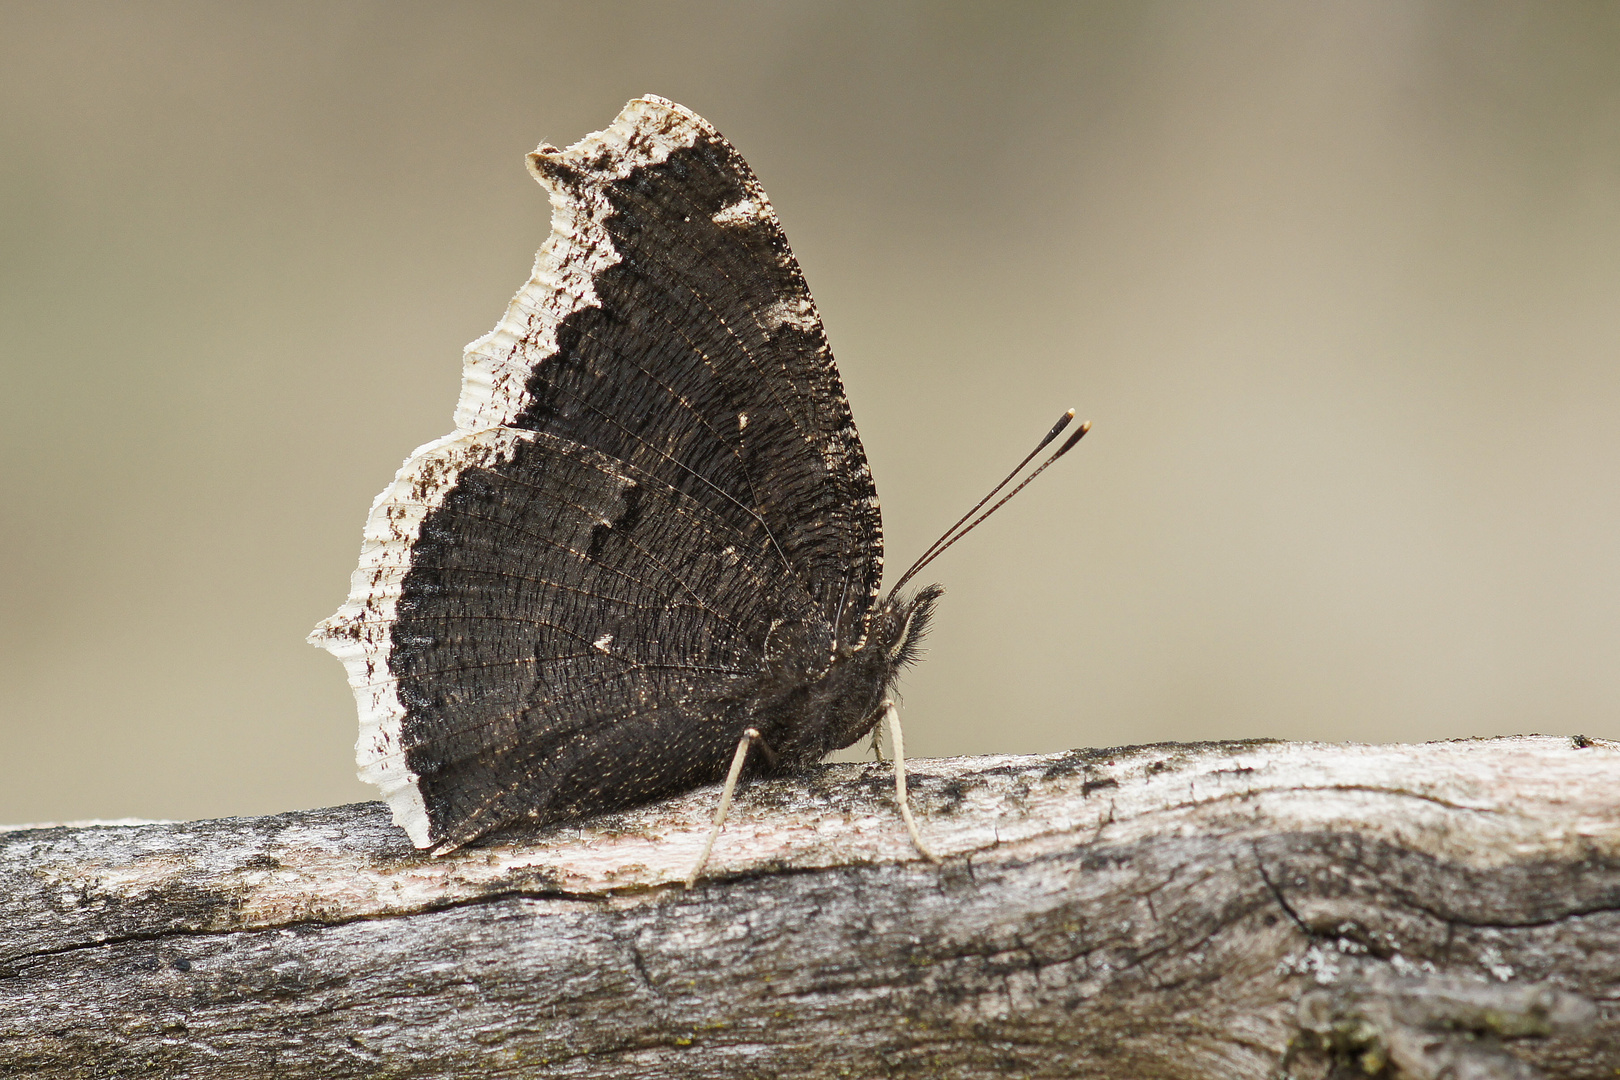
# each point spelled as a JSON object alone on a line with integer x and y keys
{"x": 650, "y": 555}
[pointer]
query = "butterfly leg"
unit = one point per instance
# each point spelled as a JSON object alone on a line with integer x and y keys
{"x": 891, "y": 714}
{"x": 740, "y": 758}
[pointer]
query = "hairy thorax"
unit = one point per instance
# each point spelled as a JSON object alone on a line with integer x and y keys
{"x": 820, "y": 709}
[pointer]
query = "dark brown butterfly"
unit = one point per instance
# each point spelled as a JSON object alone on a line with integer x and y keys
{"x": 652, "y": 545}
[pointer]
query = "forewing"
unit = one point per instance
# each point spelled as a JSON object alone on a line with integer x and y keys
{"x": 667, "y": 325}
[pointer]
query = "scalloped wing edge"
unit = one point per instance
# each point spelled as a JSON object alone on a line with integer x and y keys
{"x": 359, "y": 633}
{"x": 496, "y": 368}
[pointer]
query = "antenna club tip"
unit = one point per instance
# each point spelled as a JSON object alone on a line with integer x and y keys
{"x": 1068, "y": 444}
{"x": 1085, "y": 425}
{"x": 1070, "y": 414}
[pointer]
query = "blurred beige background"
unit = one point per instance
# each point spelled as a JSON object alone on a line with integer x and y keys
{"x": 1339, "y": 285}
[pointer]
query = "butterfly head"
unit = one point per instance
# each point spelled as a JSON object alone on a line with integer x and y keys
{"x": 900, "y": 625}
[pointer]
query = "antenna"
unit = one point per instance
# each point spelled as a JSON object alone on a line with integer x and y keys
{"x": 957, "y": 531}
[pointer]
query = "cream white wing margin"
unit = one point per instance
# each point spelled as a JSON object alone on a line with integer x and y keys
{"x": 359, "y": 633}
{"x": 496, "y": 367}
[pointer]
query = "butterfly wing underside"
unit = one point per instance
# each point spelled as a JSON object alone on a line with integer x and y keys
{"x": 565, "y": 604}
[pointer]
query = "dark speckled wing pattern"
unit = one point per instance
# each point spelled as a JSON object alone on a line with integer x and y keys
{"x": 654, "y": 513}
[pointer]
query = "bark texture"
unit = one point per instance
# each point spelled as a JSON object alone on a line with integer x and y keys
{"x": 1252, "y": 909}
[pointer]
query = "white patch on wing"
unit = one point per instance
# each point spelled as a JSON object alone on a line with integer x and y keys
{"x": 359, "y": 633}
{"x": 741, "y": 212}
{"x": 601, "y": 644}
{"x": 795, "y": 311}
{"x": 742, "y": 421}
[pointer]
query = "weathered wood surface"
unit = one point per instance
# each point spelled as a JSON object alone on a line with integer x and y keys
{"x": 1213, "y": 910}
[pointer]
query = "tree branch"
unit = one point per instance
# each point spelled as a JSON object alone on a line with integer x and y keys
{"x": 1222, "y": 910}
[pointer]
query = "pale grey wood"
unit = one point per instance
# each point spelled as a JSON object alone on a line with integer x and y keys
{"x": 1215, "y": 910}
